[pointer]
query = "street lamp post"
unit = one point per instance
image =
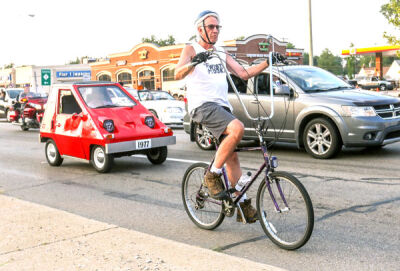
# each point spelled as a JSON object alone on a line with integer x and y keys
{"x": 310, "y": 56}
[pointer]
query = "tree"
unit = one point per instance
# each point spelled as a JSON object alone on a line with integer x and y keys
{"x": 76, "y": 61}
{"x": 306, "y": 60}
{"x": 391, "y": 11}
{"x": 9, "y": 66}
{"x": 290, "y": 45}
{"x": 193, "y": 37}
{"x": 330, "y": 62}
{"x": 160, "y": 42}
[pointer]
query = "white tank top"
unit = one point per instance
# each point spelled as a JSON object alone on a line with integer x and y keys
{"x": 207, "y": 82}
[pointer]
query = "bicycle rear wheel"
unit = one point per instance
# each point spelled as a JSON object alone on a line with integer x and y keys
{"x": 204, "y": 211}
{"x": 291, "y": 227}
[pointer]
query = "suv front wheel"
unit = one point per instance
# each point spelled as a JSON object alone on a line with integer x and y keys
{"x": 203, "y": 137}
{"x": 321, "y": 138}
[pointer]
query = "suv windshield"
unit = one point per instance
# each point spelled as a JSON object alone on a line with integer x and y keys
{"x": 105, "y": 96}
{"x": 312, "y": 79}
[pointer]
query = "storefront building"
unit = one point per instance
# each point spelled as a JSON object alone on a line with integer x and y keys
{"x": 152, "y": 67}
{"x": 146, "y": 65}
{"x": 40, "y": 78}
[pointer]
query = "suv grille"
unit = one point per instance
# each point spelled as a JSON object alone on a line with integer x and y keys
{"x": 388, "y": 111}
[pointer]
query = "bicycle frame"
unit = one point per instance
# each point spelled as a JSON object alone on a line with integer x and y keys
{"x": 266, "y": 165}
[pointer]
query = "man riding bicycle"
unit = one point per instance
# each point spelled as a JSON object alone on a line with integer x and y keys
{"x": 207, "y": 95}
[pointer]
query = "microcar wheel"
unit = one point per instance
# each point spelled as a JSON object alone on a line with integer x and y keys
{"x": 157, "y": 155}
{"x": 101, "y": 161}
{"x": 321, "y": 139}
{"x": 203, "y": 137}
{"x": 52, "y": 155}
{"x": 382, "y": 87}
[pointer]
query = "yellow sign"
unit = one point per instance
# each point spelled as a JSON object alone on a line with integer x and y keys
{"x": 143, "y": 54}
{"x": 174, "y": 55}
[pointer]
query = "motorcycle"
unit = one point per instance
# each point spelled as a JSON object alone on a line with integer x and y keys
{"x": 28, "y": 111}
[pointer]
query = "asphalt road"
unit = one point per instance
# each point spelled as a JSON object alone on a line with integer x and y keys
{"x": 356, "y": 198}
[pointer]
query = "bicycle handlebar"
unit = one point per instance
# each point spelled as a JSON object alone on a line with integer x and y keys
{"x": 237, "y": 92}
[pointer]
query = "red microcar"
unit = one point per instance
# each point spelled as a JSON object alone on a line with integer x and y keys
{"x": 99, "y": 121}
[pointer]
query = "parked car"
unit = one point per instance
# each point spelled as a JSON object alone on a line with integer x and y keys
{"x": 374, "y": 83}
{"x": 314, "y": 109}
{"x": 162, "y": 105}
{"x": 7, "y": 101}
{"x": 83, "y": 120}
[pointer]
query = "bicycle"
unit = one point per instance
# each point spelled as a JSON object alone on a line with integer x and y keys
{"x": 283, "y": 205}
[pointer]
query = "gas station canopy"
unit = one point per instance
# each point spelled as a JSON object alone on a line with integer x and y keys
{"x": 379, "y": 51}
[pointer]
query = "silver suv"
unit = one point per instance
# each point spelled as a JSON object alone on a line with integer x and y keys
{"x": 314, "y": 109}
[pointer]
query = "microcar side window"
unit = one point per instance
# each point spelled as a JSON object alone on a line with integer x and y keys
{"x": 105, "y": 97}
{"x": 67, "y": 103}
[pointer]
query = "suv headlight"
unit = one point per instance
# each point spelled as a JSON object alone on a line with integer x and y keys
{"x": 358, "y": 111}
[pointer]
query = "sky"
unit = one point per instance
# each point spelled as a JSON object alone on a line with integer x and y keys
{"x": 53, "y": 32}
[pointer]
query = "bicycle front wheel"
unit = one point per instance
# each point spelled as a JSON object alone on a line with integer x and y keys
{"x": 285, "y": 210}
{"x": 204, "y": 211}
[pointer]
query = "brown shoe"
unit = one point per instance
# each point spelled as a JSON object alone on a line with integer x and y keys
{"x": 214, "y": 184}
{"x": 250, "y": 213}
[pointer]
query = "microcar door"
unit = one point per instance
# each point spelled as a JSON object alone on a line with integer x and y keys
{"x": 68, "y": 125}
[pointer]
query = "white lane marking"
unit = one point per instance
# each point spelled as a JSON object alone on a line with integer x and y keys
{"x": 173, "y": 159}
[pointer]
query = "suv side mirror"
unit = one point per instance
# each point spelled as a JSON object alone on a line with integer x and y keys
{"x": 282, "y": 89}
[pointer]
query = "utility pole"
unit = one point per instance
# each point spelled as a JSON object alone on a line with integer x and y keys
{"x": 311, "y": 55}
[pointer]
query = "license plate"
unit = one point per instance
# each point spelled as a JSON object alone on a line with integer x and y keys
{"x": 143, "y": 144}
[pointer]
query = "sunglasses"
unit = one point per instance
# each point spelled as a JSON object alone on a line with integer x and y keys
{"x": 212, "y": 26}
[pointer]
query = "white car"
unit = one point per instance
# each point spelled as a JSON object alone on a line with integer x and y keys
{"x": 162, "y": 105}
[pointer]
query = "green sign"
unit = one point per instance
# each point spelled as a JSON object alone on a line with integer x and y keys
{"x": 263, "y": 46}
{"x": 46, "y": 77}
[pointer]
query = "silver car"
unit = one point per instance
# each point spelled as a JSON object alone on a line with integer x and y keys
{"x": 314, "y": 109}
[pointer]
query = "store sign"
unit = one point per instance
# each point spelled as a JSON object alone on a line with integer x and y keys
{"x": 263, "y": 46}
{"x": 144, "y": 63}
{"x": 121, "y": 62}
{"x": 70, "y": 74}
{"x": 143, "y": 54}
{"x": 257, "y": 55}
{"x": 46, "y": 77}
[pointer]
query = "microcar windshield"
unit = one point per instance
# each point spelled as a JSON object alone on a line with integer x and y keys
{"x": 105, "y": 97}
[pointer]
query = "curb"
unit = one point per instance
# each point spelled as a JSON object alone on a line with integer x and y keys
{"x": 36, "y": 237}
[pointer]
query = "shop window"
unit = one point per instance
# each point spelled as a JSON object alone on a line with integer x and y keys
{"x": 146, "y": 79}
{"x": 125, "y": 78}
{"x": 168, "y": 74}
{"x": 104, "y": 77}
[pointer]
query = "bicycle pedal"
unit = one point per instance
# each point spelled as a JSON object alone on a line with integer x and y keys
{"x": 228, "y": 207}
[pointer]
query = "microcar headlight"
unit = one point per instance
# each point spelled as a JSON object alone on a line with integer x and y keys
{"x": 358, "y": 111}
{"x": 109, "y": 126}
{"x": 149, "y": 121}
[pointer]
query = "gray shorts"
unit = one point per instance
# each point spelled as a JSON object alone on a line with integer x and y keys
{"x": 214, "y": 116}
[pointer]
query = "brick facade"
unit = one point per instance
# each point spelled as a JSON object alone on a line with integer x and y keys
{"x": 154, "y": 60}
